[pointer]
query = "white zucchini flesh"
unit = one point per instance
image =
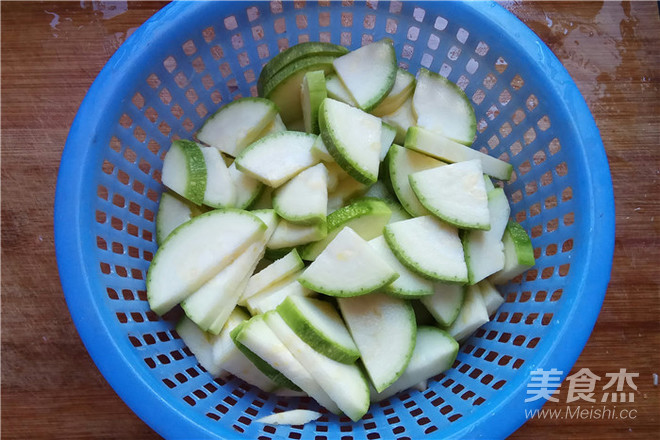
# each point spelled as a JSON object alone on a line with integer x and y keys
{"x": 518, "y": 253}
{"x": 421, "y": 386}
{"x": 492, "y": 298}
{"x": 429, "y": 247}
{"x": 283, "y": 88}
{"x": 380, "y": 191}
{"x": 456, "y": 193}
{"x": 443, "y": 148}
{"x": 319, "y": 324}
{"x": 247, "y": 188}
{"x": 269, "y": 218}
{"x": 398, "y": 213}
{"x": 274, "y": 127}
{"x": 348, "y": 266}
{"x": 337, "y": 90}
{"x": 384, "y": 330}
{"x": 445, "y": 303}
{"x": 220, "y": 322}
{"x": 409, "y": 284}
{"x": 209, "y": 243}
{"x": 304, "y": 198}
{"x": 368, "y": 72}
{"x": 312, "y": 93}
{"x": 335, "y": 202}
{"x": 236, "y": 363}
{"x": 278, "y": 157}
{"x": 441, "y": 106}
{"x": 346, "y": 190}
{"x": 340, "y": 175}
{"x": 366, "y": 217}
{"x": 184, "y": 170}
{"x": 220, "y": 191}
{"x": 270, "y": 275}
{"x": 435, "y": 352}
{"x": 320, "y": 151}
{"x": 237, "y": 124}
{"x": 353, "y": 138}
{"x": 292, "y": 417}
{"x": 228, "y": 357}
{"x": 401, "y": 163}
{"x": 387, "y": 135}
{"x": 172, "y": 213}
{"x": 288, "y": 235}
{"x": 404, "y": 86}
{"x": 273, "y": 373}
{"x": 401, "y": 119}
{"x": 214, "y": 301}
{"x": 258, "y": 337}
{"x": 352, "y": 397}
{"x": 269, "y": 299}
{"x": 198, "y": 341}
{"x": 220, "y": 348}
{"x": 484, "y": 251}
{"x": 473, "y": 315}
{"x": 335, "y": 174}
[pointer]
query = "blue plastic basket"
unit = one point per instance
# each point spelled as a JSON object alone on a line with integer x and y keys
{"x": 191, "y": 58}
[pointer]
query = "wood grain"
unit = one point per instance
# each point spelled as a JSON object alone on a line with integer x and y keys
{"x": 51, "y": 53}
{"x": 612, "y": 50}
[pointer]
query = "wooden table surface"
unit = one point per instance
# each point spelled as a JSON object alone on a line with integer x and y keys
{"x": 51, "y": 53}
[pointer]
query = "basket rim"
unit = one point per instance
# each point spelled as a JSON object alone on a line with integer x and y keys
{"x": 164, "y": 416}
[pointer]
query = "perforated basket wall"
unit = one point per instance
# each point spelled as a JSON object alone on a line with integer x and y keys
{"x": 190, "y": 59}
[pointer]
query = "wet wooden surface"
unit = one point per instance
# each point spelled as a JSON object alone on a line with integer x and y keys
{"x": 51, "y": 53}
